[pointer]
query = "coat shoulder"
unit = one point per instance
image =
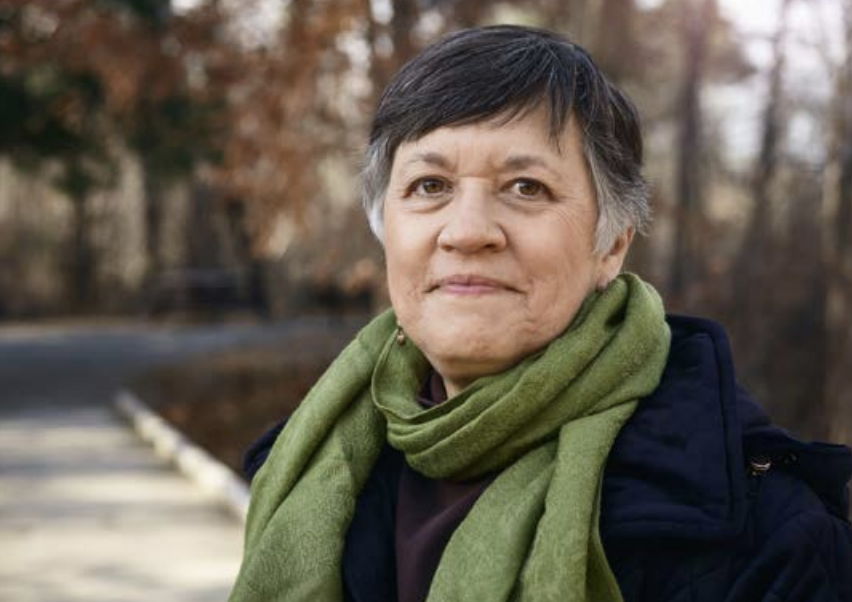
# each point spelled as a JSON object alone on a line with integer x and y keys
{"x": 795, "y": 548}
{"x": 706, "y": 499}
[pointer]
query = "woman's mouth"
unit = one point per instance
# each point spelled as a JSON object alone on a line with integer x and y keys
{"x": 470, "y": 284}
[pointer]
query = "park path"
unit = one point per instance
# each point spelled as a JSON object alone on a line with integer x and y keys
{"x": 87, "y": 511}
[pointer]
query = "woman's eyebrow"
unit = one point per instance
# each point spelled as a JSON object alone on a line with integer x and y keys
{"x": 518, "y": 162}
{"x": 429, "y": 157}
{"x": 512, "y": 163}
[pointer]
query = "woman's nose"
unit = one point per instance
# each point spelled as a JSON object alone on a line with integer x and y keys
{"x": 471, "y": 225}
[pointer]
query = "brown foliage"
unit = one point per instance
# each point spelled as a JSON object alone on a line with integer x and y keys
{"x": 282, "y": 106}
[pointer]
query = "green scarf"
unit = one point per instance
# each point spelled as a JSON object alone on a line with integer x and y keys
{"x": 547, "y": 424}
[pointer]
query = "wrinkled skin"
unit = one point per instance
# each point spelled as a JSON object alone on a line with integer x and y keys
{"x": 489, "y": 242}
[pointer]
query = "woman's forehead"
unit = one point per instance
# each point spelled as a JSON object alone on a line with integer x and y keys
{"x": 522, "y": 142}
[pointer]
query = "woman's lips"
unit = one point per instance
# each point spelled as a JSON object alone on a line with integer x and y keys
{"x": 469, "y": 284}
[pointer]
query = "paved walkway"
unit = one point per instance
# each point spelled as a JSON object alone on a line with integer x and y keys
{"x": 89, "y": 513}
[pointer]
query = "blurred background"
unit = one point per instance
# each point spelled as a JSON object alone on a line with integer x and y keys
{"x": 180, "y": 217}
{"x": 196, "y": 161}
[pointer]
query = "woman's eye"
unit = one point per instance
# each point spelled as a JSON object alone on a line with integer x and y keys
{"x": 528, "y": 188}
{"x": 430, "y": 186}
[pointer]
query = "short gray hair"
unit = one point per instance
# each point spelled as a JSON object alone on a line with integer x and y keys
{"x": 506, "y": 71}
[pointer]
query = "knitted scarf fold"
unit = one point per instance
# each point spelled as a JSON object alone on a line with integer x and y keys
{"x": 547, "y": 424}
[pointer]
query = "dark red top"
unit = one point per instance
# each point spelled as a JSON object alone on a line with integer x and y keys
{"x": 428, "y": 512}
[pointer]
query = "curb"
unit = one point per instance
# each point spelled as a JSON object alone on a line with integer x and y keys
{"x": 205, "y": 470}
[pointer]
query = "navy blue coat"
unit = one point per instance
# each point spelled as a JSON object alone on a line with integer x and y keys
{"x": 703, "y": 499}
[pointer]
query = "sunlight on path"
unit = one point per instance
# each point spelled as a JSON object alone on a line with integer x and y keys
{"x": 88, "y": 513}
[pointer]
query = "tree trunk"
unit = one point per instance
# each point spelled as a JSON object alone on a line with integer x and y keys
{"x": 687, "y": 264}
{"x": 838, "y": 258}
{"x": 759, "y": 309}
{"x": 614, "y": 47}
{"x": 152, "y": 192}
{"x": 772, "y": 129}
{"x": 843, "y": 223}
{"x": 405, "y": 16}
{"x": 401, "y": 27}
{"x": 81, "y": 275}
{"x": 258, "y": 291}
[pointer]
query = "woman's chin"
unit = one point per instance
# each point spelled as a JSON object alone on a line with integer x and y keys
{"x": 465, "y": 359}
{"x": 478, "y": 342}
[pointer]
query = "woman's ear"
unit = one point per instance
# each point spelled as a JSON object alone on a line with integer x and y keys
{"x": 613, "y": 260}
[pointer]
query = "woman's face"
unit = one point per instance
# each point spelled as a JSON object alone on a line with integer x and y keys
{"x": 489, "y": 241}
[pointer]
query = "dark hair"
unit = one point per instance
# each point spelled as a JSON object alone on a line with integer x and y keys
{"x": 503, "y": 72}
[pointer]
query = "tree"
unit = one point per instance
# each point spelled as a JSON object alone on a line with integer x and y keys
{"x": 80, "y": 80}
{"x": 50, "y": 114}
{"x": 688, "y": 254}
{"x": 838, "y": 249}
{"x": 756, "y": 264}
{"x": 615, "y": 47}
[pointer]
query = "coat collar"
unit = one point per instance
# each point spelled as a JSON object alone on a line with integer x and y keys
{"x": 678, "y": 467}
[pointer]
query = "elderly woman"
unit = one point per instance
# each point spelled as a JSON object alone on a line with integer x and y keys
{"x": 526, "y": 423}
